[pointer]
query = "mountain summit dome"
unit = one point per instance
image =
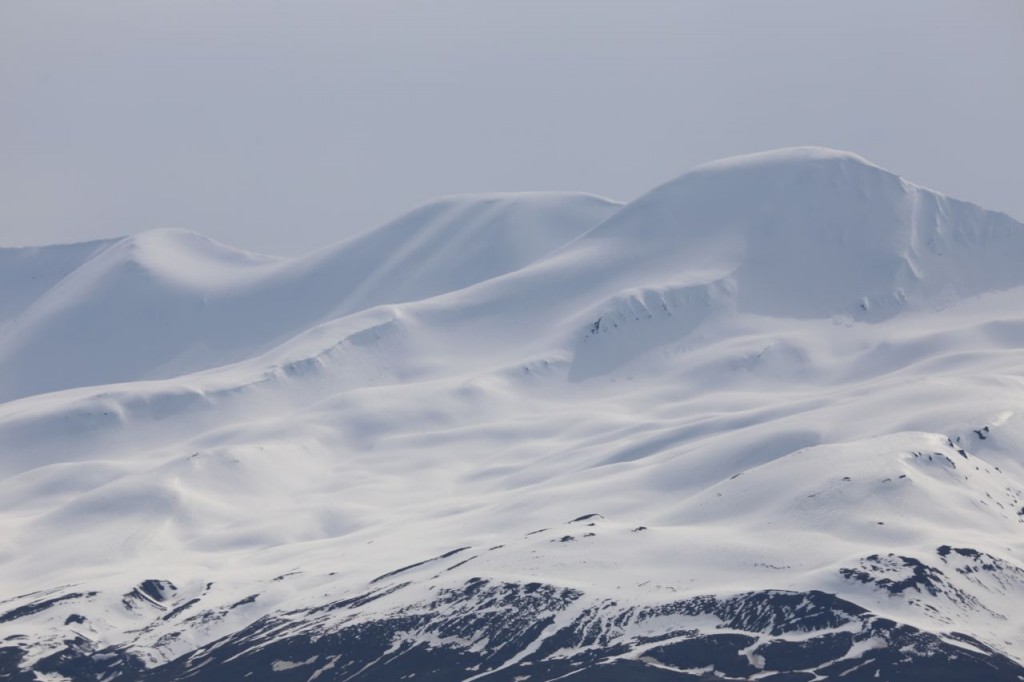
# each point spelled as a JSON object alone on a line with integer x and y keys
{"x": 811, "y": 232}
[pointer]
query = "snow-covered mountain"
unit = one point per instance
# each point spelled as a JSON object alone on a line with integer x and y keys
{"x": 761, "y": 423}
{"x": 167, "y": 302}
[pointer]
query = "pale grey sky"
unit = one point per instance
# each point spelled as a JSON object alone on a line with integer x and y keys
{"x": 281, "y": 126}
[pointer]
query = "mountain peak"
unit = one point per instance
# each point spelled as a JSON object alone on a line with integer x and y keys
{"x": 814, "y": 232}
{"x": 775, "y": 159}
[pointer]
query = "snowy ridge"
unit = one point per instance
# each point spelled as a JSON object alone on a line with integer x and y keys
{"x": 777, "y": 396}
{"x": 167, "y": 302}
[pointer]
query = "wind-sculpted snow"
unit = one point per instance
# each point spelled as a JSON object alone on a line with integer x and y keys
{"x": 760, "y": 423}
{"x": 167, "y": 302}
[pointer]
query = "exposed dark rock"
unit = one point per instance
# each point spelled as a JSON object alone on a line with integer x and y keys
{"x": 41, "y": 605}
{"x": 418, "y": 564}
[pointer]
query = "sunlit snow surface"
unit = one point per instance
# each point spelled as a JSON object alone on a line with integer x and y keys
{"x": 791, "y": 372}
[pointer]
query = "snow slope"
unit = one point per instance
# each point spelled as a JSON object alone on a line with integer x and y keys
{"x": 787, "y": 384}
{"x": 167, "y": 302}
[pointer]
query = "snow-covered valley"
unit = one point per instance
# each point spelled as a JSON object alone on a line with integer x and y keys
{"x": 764, "y": 422}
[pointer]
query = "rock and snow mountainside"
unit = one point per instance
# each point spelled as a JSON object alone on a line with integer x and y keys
{"x": 762, "y": 423}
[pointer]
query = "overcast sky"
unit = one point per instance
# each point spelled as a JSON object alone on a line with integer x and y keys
{"x": 283, "y": 126}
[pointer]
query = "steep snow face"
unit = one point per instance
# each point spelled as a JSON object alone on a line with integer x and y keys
{"x": 772, "y": 404}
{"x": 27, "y": 273}
{"x": 170, "y": 301}
{"x": 452, "y": 243}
